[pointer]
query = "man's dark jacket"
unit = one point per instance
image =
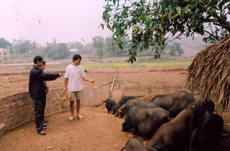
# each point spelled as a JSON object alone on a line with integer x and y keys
{"x": 36, "y": 85}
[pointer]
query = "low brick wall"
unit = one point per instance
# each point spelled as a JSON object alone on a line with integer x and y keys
{"x": 142, "y": 90}
{"x": 17, "y": 109}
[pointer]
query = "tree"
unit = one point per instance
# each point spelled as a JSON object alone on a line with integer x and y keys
{"x": 77, "y": 45}
{"x": 112, "y": 50}
{"x": 88, "y": 48}
{"x": 26, "y": 48}
{"x": 152, "y": 22}
{"x": 4, "y": 43}
{"x": 22, "y": 48}
{"x": 98, "y": 43}
{"x": 109, "y": 48}
{"x": 176, "y": 49}
{"x": 58, "y": 51}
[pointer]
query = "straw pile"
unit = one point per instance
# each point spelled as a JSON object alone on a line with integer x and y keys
{"x": 209, "y": 74}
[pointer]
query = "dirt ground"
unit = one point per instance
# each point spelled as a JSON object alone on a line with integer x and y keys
{"x": 97, "y": 130}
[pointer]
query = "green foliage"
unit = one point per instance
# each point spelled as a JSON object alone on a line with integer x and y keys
{"x": 152, "y": 22}
{"x": 77, "y": 45}
{"x": 24, "y": 48}
{"x": 176, "y": 49}
{"x": 106, "y": 48}
{"x": 52, "y": 50}
{"x": 100, "y": 53}
{"x": 4, "y": 43}
{"x": 112, "y": 50}
{"x": 58, "y": 51}
{"x": 88, "y": 48}
{"x": 98, "y": 43}
{"x": 109, "y": 48}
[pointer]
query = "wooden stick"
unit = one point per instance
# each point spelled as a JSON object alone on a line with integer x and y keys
{"x": 111, "y": 88}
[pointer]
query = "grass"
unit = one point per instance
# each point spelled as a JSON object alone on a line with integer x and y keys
{"x": 145, "y": 64}
{"x": 144, "y": 61}
{"x": 119, "y": 62}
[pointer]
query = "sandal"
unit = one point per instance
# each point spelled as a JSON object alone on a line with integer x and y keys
{"x": 71, "y": 118}
{"x": 79, "y": 117}
{"x": 42, "y": 132}
{"x": 44, "y": 125}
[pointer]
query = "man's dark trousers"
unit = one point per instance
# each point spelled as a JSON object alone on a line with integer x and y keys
{"x": 43, "y": 107}
{"x": 39, "y": 112}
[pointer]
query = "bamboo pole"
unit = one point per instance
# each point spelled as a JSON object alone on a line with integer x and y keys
{"x": 111, "y": 88}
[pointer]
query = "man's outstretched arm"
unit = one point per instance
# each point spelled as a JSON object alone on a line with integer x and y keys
{"x": 86, "y": 79}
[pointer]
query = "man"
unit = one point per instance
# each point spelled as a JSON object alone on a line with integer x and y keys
{"x": 72, "y": 82}
{"x": 46, "y": 88}
{"x": 37, "y": 91}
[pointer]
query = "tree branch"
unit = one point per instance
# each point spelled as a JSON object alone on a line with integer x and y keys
{"x": 216, "y": 37}
{"x": 223, "y": 25}
{"x": 176, "y": 37}
{"x": 222, "y": 22}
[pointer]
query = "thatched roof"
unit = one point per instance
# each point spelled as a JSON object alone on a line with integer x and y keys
{"x": 209, "y": 74}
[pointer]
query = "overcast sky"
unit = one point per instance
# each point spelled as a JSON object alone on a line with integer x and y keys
{"x": 44, "y": 20}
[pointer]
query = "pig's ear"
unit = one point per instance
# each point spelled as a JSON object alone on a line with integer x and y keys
{"x": 123, "y": 121}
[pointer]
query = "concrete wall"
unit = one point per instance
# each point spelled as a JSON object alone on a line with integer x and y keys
{"x": 17, "y": 109}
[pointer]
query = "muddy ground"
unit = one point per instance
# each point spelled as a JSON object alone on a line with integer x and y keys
{"x": 97, "y": 130}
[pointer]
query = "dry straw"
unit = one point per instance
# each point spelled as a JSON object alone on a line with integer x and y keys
{"x": 209, "y": 74}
